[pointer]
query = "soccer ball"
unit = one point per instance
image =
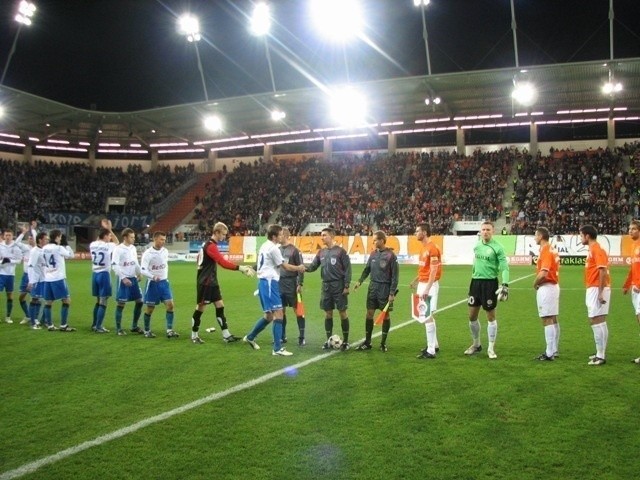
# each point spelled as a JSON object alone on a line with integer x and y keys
{"x": 335, "y": 342}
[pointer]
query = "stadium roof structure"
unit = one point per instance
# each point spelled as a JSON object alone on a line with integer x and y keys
{"x": 566, "y": 92}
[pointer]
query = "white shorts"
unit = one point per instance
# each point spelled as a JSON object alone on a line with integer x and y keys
{"x": 635, "y": 301}
{"x": 433, "y": 293}
{"x": 548, "y": 299}
{"x": 594, "y": 307}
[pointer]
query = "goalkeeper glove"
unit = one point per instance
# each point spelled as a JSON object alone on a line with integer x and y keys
{"x": 503, "y": 292}
{"x": 6, "y": 260}
{"x": 248, "y": 271}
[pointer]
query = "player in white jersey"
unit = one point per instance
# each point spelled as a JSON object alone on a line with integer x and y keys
{"x": 11, "y": 253}
{"x": 101, "y": 253}
{"x": 269, "y": 262}
{"x": 155, "y": 266}
{"x": 35, "y": 274}
{"x": 55, "y": 279}
{"x": 125, "y": 265}
{"x": 24, "y": 281}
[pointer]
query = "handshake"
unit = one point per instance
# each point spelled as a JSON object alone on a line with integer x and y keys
{"x": 248, "y": 271}
{"x": 503, "y": 292}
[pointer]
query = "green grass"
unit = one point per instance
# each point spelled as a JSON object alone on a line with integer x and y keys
{"x": 349, "y": 416}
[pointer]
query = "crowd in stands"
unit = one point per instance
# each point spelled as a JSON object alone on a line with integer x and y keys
{"x": 565, "y": 190}
{"x": 30, "y": 191}
{"x": 358, "y": 194}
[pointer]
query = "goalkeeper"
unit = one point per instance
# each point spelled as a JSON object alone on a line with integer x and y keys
{"x": 489, "y": 261}
{"x": 209, "y": 257}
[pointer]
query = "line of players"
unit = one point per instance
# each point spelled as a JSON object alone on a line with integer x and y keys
{"x": 45, "y": 278}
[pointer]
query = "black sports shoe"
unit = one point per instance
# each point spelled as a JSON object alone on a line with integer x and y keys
{"x": 231, "y": 339}
{"x": 326, "y": 346}
{"x": 301, "y": 342}
{"x": 345, "y": 346}
{"x": 543, "y": 358}
{"x": 384, "y": 348}
{"x": 426, "y": 355}
{"x": 137, "y": 330}
{"x": 363, "y": 347}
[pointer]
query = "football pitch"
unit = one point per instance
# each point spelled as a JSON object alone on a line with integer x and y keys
{"x": 88, "y": 406}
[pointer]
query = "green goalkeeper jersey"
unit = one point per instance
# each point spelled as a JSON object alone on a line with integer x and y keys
{"x": 489, "y": 260}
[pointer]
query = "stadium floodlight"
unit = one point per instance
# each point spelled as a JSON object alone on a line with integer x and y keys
{"x": 338, "y": 20}
{"x": 261, "y": 20}
{"x": 422, "y": 4}
{"x": 213, "y": 123}
{"x": 189, "y": 26}
{"x": 1, "y": 111}
{"x": 26, "y": 10}
{"x": 611, "y": 88}
{"x": 260, "y": 25}
{"x": 348, "y": 107}
{"x": 278, "y": 115}
{"x": 524, "y": 93}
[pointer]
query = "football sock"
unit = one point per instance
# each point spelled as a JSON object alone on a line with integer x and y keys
{"x": 600, "y": 335}
{"x": 9, "y": 307}
{"x": 94, "y": 323}
{"x": 147, "y": 322}
{"x": 368, "y": 330}
{"x": 34, "y": 310}
{"x": 284, "y": 327}
{"x": 64, "y": 314}
{"x": 435, "y": 333}
{"x": 345, "y": 330}
{"x": 301, "y": 326}
{"x": 492, "y": 333}
{"x": 195, "y": 321}
{"x": 386, "y": 326}
{"x": 277, "y": 335}
{"x": 430, "y": 327}
{"x": 222, "y": 320}
{"x": 550, "y": 339}
{"x": 557, "y": 337}
{"x": 23, "y": 305}
{"x": 475, "y": 332}
{"x": 119, "y": 310}
{"x": 328, "y": 326}
{"x": 259, "y": 326}
{"x": 102, "y": 310}
{"x": 46, "y": 314}
{"x": 169, "y": 317}
{"x": 137, "y": 311}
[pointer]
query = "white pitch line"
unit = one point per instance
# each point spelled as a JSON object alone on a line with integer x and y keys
{"x": 62, "y": 454}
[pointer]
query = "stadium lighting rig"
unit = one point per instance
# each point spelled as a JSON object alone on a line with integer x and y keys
{"x": 611, "y": 86}
{"x": 260, "y": 26}
{"x": 348, "y": 107}
{"x": 422, "y": 4}
{"x": 26, "y": 11}
{"x": 189, "y": 26}
{"x": 338, "y": 20}
{"x": 524, "y": 92}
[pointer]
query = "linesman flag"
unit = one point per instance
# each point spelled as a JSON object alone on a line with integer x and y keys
{"x": 300, "y": 306}
{"x": 384, "y": 311}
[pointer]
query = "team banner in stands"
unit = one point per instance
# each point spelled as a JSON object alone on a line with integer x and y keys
{"x": 120, "y": 222}
{"x": 569, "y": 245}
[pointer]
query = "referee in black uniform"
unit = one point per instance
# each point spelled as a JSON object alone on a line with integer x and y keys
{"x": 291, "y": 285}
{"x": 336, "y": 277}
{"x": 383, "y": 267}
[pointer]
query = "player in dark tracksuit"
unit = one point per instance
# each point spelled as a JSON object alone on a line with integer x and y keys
{"x": 336, "y": 277}
{"x": 291, "y": 285}
{"x": 383, "y": 267}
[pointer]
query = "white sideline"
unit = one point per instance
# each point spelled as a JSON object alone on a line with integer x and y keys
{"x": 62, "y": 454}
